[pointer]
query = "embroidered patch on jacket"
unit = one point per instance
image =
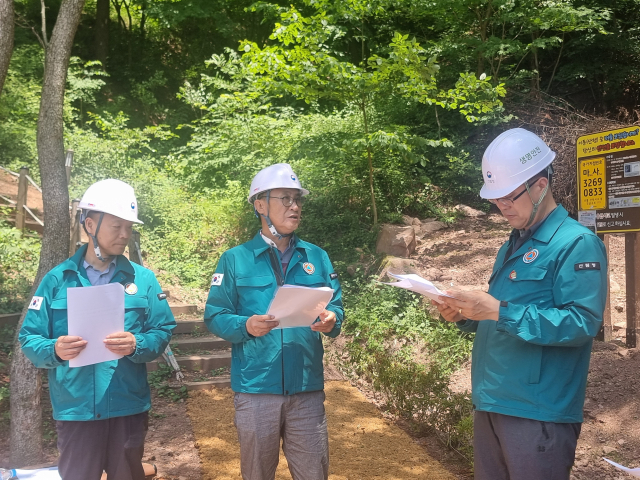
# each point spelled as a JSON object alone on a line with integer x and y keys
{"x": 587, "y": 266}
{"x": 131, "y": 288}
{"x": 36, "y": 303}
{"x": 333, "y": 276}
{"x": 162, "y": 296}
{"x": 308, "y": 267}
{"x": 513, "y": 275}
{"x": 217, "y": 279}
{"x": 530, "y": 256}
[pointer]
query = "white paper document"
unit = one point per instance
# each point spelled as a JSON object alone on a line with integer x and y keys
{"x": 50, "y": 473}
{"x": 295, "y": 306}
{"x": 94, "y": 313}
{"x": 634, "y": 472}
{"x": 417, "y": 284}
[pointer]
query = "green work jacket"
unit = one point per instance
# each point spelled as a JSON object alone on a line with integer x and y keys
{"x": 284, "y": 361}
{"x": 109, "y": 389}
{"x": 533, "y": 362}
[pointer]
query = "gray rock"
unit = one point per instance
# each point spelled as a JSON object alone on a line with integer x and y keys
{"x": 407, "y": 220}
{"x": 396, "y": 240}
{"x": 469, "y": 212}
{"x": 427, "y": 228}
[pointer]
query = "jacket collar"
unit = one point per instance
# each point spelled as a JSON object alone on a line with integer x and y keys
{"x": 550, "y": 225}
{"x": 259, "y": 246}
{"x": 75, "y": 264}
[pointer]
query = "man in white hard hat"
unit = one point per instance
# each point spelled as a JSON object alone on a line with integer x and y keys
{"x": 535, "y": 326}
{"x": 277, "y": 375}
{"x": 101, "y": 410}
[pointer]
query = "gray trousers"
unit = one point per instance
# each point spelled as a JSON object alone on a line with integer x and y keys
{"x": 299, "y": 420}
{"x": 513, "y": 448}
{"x": 115, "y": 445}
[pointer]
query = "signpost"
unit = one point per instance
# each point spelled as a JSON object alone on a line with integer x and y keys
{"x": 609, "y": 185}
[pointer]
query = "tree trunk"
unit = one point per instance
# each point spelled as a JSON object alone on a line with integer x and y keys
{"x": 101, "y": 38}
{"x": 363, "y": 108}
{"x": 26, "y": 415}
{"x": 6, "y": 38}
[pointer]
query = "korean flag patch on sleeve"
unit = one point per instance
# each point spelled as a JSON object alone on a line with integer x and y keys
{"x": 36, "y": 303}
{"x": 217, "y": 279}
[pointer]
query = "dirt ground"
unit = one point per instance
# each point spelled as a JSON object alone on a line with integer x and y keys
{"x": 362, "y": 444}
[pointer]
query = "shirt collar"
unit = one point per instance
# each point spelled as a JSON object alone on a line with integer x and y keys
{"x": 271, "y": 243}
{"x": 112, "y": 264}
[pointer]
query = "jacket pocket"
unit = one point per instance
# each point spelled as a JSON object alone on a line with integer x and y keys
{"x": 255, "y": 294}
{"x": 529, "y": 273}
{"x": 135, "y": 313}
{"x": 312, "y": 281}
{"x": 59, "y": 324}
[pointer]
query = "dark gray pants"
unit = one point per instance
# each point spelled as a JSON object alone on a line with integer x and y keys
{"x": 115, "y": 445}
{"x": 513, "y": 448}
{"x": 299, "y": 420}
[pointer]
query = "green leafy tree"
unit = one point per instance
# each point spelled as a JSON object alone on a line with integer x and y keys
{"x": 303, "y": 63}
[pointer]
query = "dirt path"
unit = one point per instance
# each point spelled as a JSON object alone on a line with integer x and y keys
{"x": 363, "y": 445}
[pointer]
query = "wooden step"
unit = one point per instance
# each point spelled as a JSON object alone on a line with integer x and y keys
{"x": 184, "y": 309}
{"x": 190, "y": 326}
{"x": 196, "y": 362}
{"x": 200, "y": 343}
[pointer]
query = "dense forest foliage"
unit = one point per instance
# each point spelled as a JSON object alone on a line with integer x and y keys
{"x": 383, "y": 107}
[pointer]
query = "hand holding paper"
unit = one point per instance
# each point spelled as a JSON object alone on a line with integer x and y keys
{"x": 295, "y": 306}
{"x": 326, "y": 323}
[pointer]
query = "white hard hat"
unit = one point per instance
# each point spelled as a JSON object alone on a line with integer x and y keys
{"x": 511, "y": 159}
{"x": 113, "y": 197}
{"x": 280, "y": 175}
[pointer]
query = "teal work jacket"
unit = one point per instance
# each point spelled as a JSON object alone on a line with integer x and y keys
{"x": 533, "y": 362}
{"x": 284, "y": 361}
{"x": 109, "y": 389}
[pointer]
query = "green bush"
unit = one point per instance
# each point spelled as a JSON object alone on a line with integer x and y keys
{"x": 18, "y": 266}
{"x": 406, "y": 355}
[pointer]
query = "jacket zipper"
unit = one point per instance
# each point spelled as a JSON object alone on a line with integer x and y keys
{"x": 277, "y": 270}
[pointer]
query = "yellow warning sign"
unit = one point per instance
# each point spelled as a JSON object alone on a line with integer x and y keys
{"x": 592, "y": 191}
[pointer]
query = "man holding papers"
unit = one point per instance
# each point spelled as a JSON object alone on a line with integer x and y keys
{"x": 535, "y": 327}
{"x": 100, "y": 408}
{"x": 276, "y": 373}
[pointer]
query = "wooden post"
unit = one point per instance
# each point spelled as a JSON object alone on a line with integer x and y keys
{"x": 606, "y": 332}
{"x": 22, "y": 198}
{"x": 632, "y": 267}
{"x": 74, "y": 235}
{"x": 68, "y": 163}
{"x": 135, "y": 254}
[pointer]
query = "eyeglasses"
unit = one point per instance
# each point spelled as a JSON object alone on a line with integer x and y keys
{"x": 508, "y": 202}
{"x": 288, "y": 201}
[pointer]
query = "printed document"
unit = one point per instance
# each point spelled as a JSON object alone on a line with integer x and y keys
{"x": 295, "y": 306}
{"x": 417, "y": 284}
{"x": 634, "y": 472}
{"x": 94, "y": 313}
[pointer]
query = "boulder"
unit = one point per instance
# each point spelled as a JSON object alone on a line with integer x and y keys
{"x": 407, "y": 220}
{"x": 431, "y": 227}
{"x": 469, "y": 212}
{"x": 416, "y": 221}
{"x": 399, "y": 266}
{"x": 396, "y": 240}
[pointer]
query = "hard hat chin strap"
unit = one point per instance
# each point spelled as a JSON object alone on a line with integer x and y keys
{"x": 94, "y": 239}
{"x": 535, "y": 204}
{"x": 270, "y": 225}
